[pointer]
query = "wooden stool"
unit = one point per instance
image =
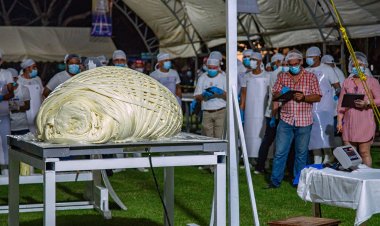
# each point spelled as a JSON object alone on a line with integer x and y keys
{"x": 305, "y": 221}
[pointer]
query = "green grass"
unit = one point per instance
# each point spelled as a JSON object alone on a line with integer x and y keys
{"x": 193, "y": 196}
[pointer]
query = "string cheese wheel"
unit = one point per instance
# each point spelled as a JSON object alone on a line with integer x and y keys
{"x": 108, "y": 104}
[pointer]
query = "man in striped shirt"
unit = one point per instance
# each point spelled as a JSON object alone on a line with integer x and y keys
{"x": 295, "y": 117}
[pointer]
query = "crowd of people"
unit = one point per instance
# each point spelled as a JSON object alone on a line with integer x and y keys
{"x": 311, "y": 122}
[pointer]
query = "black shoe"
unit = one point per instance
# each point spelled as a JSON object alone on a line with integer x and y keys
{"x": 271, "y": 186}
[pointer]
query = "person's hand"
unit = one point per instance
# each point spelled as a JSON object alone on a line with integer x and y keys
{"x": 299, "y": 97}
{"x": 272, "y": 122}
{"x": 207, "y": 95}
{"x": 193, "y": 105}
{"x": 242, "y": 115}
{"x": 284, "y": 89}
{"x": 13, "y": 106}
{"x": 361, "y": 103}
{"x": 339, "y": 126}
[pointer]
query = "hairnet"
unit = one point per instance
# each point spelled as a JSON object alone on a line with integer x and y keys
{"x": 213, "y": 62}
{"x": 163, "y": 56}
{"x": 276, "y": 57}
{"x": 72, "y": 56}
{"x": 216, "y": 55}
{"x": 103, "y": 59}
{"x": 247, "y": 53}
{"x": 361, "y": 57}
{"x": 313, "y": 51}
{"x": 327, "y": 59}
{"x": 119, "y": 54}
{"x": 267, "y": 65}
{"x": 294, "y": 55}
{"x": 256, "y": 55}
{"x": 27, "y": 63}
{"x": 13, "y": 71}
{"x": 92, "y": 62}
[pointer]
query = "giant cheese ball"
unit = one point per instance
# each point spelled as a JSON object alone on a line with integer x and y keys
{"x": 108, "y": 104}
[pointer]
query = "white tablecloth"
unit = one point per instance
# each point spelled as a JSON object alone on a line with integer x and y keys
{"x": 358, "y": 190}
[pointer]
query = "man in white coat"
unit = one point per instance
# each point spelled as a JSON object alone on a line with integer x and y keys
{"x": 30, "y": 79}
{"x": 322, "y": 132}
{"x": 6, "y": 93}
{"x": 254, "y": 99}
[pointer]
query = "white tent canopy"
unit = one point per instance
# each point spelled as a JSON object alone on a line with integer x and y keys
{"x": 51, "y": 43}
{"x": 182, "y": 26}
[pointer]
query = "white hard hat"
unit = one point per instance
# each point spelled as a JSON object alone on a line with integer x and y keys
{"x": 276, "y": 57}
{"x": 313, "y": 51}
{"x": 247, "y": 53}
{"x": 213, "y": 62}
{"x": 163, "y": 56}
{"x": 27, "y": 63}
{"x": 294, "y": 55}
{"x": 327, "y": 59}
{"x": 119, "y": 54}
{"x": 256, "y": 55}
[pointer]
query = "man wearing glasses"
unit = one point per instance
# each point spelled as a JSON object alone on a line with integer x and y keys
{"x": 295, "y": 116}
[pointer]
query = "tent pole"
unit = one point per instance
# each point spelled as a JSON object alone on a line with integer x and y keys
{"x": 233, "y": 191}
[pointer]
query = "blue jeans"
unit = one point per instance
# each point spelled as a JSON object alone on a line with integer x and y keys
{"x": 284, "y": 138}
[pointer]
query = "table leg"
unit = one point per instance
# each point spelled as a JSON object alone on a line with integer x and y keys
{"x": 317, "y": 210}
{"x": 220, "y": 195}
{"x": 169, "y": 194}
{"x": 187, "y": 106}
{"x": 14, "y": 190}
{"x": 49, "y": 197}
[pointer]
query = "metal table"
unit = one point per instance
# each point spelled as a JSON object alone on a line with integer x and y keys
{"x": 182, "y": 150}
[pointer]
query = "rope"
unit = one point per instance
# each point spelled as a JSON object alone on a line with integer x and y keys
{"x": 362, "y": 76}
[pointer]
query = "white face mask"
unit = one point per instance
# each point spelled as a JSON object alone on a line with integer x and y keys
{"x": 253, "y": 64}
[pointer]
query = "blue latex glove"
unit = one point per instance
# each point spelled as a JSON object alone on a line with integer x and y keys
{"x": 216, "y": 90}
{"x": 242, "y": 116}
{"x": 193, "y": 104}
{"x": 207, "y": 94}
{"x": 336, "y": 97}
{"x": 1, "y": 98}
{"x": 272, "y": 122}
{"x": 285, "y": 89}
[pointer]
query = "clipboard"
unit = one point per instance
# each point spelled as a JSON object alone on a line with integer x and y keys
{"x": 349, "y": 99}
{"x": 286, "y": 96}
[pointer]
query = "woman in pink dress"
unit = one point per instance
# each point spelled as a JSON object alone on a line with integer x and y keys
{"x": 357, "y": 124}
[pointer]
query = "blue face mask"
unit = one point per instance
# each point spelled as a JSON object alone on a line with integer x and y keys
{"x": 34, "y": 73}
{"x": 310, "y": 61}
{"x": 355, "y": 72}
{"x": 212, "y": 72}
{"x": 274, "y": 67}
{"x": 285, "y": 69}
{"x": 295, "y": 70}
{"x": 74, "y": 69}
{"x": 167, "y": 65}
{"x": 247, "y": 61}
{"x": 119, "y": 65}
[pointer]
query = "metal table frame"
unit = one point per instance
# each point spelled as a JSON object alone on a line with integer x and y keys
{"x": 187, "y": 150}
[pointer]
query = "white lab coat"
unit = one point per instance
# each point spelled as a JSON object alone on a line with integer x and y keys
{"x": 5, "y": 126}
{"x": 258, "y": 90}
{"x": 35, "y": 88}
{"x": 322, "y": 132}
